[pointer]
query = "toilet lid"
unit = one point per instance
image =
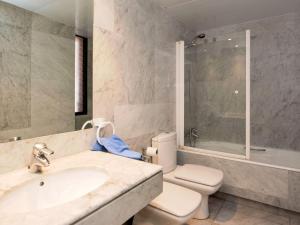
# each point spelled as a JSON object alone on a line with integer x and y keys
{"x": 177, "y": 200}
{"x": 199, "y": 174}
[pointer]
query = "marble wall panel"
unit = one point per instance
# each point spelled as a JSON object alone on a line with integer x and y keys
{"x": 52, "y": 83}
{"x": 135, "y": 68}
{"x": 104, "y": 14}
{"x": 37, "y": 80}
{"x": 37, "y": 74}
{"x": 165, "y": 76}
{"x": 15, "y": 60}
{"x": 43, "y": 24}
{"x": 137, "y": 120}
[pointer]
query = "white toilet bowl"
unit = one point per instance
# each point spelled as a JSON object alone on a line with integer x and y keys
{"x": 174, "y": 206}
{"x": 202, "y": 179}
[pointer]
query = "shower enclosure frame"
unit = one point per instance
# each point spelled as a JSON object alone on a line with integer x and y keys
{"x": 180, "y": 57}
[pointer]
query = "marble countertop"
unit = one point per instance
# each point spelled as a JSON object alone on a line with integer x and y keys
{"x": 123, "y": 173}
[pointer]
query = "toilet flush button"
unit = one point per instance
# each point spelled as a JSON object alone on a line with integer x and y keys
{"x": 236, "y": 92}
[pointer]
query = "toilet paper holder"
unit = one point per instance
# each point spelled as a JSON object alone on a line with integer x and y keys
{"x": 149, "y": 153}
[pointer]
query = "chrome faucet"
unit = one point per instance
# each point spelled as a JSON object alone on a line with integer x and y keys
{"x": 39, "y": 157}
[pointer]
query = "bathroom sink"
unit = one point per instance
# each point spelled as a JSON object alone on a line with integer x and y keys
{"x": 52, "y": 190}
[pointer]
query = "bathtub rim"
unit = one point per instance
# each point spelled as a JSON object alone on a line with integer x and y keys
{"x": 228, "y": 156}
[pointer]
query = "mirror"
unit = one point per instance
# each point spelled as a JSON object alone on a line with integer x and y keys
{"x": 45, "y": 67}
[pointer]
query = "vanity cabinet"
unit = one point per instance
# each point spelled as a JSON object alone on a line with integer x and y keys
{"x": 125, "y": 206}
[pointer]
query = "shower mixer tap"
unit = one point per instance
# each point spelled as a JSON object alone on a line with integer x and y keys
{"x": 194, "y": 132}
{"x": 193, "y": 136}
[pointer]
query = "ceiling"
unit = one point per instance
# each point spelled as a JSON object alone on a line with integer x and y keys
{"x": 197, "y": 15}
{"x": 201, "y": 15}
{"x": 77, "y": 13}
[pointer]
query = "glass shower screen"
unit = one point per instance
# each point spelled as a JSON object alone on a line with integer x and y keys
{"x": 215, "y": 93}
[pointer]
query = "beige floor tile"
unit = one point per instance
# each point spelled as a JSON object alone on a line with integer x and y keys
{"x": 215, "y": 204}
{"x": 253, "y": 204}
{"x": 237, "y": 211}
{"x": 237, "y": 214}
{"x": 201, "y": 222}
{"x": 295, "y": 219}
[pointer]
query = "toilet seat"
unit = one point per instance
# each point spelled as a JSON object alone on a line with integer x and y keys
{"x": 199, "y": 174}
{"x": 197, "y": 178}
{"x": 174, "y": 206}
{"x": 177, "y": 200}
{"x": 202, "y": 188}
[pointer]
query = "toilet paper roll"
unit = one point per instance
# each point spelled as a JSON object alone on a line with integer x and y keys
{"x": 150, "y": 151}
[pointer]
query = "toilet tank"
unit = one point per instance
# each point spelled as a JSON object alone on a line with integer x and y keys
{"x": 167, "y": 150}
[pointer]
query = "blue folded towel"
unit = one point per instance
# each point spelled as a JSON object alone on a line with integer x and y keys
{"x": 117, "y": 146}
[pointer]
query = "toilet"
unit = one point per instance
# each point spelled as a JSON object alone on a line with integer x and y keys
{"x": 185, "y": 188}
{"x": 202, "y": 179}
{"x": 174, "y": 206}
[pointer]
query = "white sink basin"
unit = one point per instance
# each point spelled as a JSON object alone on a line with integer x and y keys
{"x": 52, "y": 190}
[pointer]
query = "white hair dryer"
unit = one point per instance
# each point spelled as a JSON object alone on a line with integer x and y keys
{"x": 99, "y": 123}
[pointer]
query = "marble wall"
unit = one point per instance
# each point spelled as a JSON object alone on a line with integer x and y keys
{"x": 135, "y": 68}
{"x": 15, "y": 61}
{"x": 52, "y": 77}
{"x": 269, "y": 185}
{"x": 275, "y": 83}
{"x": 133, "y": 82}
{"x": 37, "y": 74}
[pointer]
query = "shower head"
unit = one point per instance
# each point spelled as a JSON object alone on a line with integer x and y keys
{"x": 201, "y": 36}
{"x": 194, "y": 41}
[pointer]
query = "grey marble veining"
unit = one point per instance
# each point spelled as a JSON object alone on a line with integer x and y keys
{"x": 52, "y": 83}
{"x": 43, "y": 24}
{"x": 135, "y": 67}
{"x": 275, "y": 85}
{"x": 15, "y": 61}
{"x": 37, "y": 74}
{"x": 14, "y": 15}
{"x": 131, "y": 119}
